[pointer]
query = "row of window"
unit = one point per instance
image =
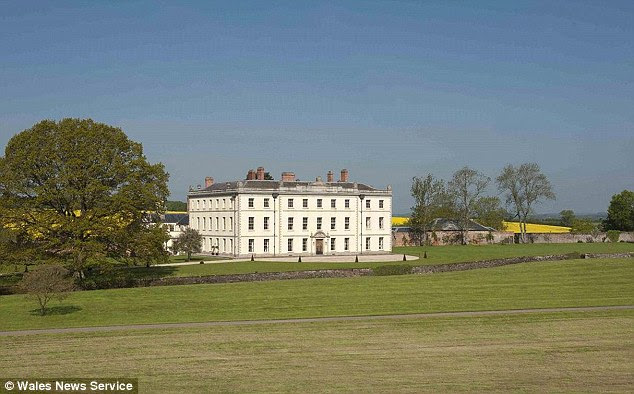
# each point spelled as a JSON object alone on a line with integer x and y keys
{"x": 225, "y": 203}
{"x": 218, "y": 246}
{"x": 333, "y": 223}
{"x": 333, "y": 203}
{"x": 214, "y": 223}
{"x": 333, "y": 244}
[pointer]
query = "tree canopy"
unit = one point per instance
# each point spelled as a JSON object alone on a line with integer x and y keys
{"x": 621, "y": 212}
{"x": 71, "y": 190}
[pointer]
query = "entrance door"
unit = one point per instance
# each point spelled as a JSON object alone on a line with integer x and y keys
{"x": 319, "y": 246}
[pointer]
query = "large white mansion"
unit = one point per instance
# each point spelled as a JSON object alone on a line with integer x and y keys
{"x": 258, "y": 217}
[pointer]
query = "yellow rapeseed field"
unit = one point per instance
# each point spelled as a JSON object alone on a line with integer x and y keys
{"x": 509, "y": 226}
{"x": 399, "y": 221}
{"x": 535, "y": 228}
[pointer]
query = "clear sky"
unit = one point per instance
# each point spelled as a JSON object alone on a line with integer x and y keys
{"x": 387, "y": 89}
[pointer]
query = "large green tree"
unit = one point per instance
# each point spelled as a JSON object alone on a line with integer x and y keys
{"x": 72, "y": 189}
{"x": 489, "y": 212}
{"x": 467, "y": 186}
{"x": 524, "y": 187}
{"x": 621, "y": 212}
{"x": 189, "y": 241}
{"x": 431, "y": 201}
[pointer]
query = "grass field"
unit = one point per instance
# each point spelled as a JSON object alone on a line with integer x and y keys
{"x": 435, "y": 255}
{"x": 531, "y": 285}
{"x": 549, "y": 352}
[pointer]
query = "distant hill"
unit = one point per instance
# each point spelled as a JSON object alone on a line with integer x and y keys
{"x": 176, "y": 206}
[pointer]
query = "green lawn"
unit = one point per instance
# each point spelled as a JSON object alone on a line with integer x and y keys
{"x": 435, "y": 255}
{"x": 549, "y": 352}
{"x": 531, "y": 285}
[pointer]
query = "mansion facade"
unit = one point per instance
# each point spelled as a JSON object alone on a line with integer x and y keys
{"x": 288, "y": 217}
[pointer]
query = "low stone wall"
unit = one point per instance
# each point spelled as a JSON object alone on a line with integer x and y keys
{"x": 259, "y": 277}
{"x": 439, "y": 238}
{"x": 563, "y": 238}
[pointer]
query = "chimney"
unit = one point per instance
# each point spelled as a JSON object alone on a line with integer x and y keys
{"x": 344, "y": 176}
{"x": 330, "y": 177}
{"x": 208, "y": 181}
{"x": 250, "y": 175}
{"x": 260, "y": 173}
{"x": 288, "y": 177}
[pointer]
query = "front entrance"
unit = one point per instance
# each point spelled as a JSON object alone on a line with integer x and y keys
{"x": 319, "y": 246}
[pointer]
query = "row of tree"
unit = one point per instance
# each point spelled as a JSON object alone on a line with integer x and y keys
{"x": 463, "y": 198}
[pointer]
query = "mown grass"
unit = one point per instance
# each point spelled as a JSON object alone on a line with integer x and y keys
{"x": 549, "y": 352}
{"x": 532, "y": 285}
{"x": 435, "y": 255}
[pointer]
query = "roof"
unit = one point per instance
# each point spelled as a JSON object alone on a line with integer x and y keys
{"x": 277, "y": 185}
{"x": 444, "y": 224}
{"x": 176, "y": 218}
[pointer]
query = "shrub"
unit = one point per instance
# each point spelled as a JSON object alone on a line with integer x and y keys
{"x": 47, "y": 282}
{"x": 386, "y": 270}
{"x": 613, "y": 235}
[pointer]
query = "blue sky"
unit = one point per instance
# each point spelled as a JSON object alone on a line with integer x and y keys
{"x": 387, "y": 89}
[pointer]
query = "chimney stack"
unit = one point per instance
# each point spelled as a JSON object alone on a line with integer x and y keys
{"x": 288, "y": 177}
{"x": 260, "y": 173}
{"x": 344, "y": 176}
{"x": 251, "y": 175}
{"x": 208, "y": 181}
{"x": 330, "y": 177}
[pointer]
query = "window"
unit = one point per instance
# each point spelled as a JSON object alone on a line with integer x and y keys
{"x": 266, "y": 245}
{"x": 346, "y": 203}
{"x": 333, "y": 223}
{"x": 346, "y": 244}
{"x": 266, "y": 222}
{"x": 251, "y": 223}
{"x": 381, "y": 223}
{"x": 266, "y": 203}
{"x": 305, "y": 224}
{"x": 290, "y": 203}
{"x": 204, "y": 224}
{"x": 333, "y": 203}
{"x": 204, "y": 204}
{"x": 332, "y": 244}
{"x": 367, "y": 223}
{"x": 198, "y": 223}
{"x": 380, "y": 243}
{"x": 318, "y": 223}
{"x": 251, "y": 245}
{"x": 367, "y": 243}
{"x": 224, "y": 203}
{"x": 304, "y": 244}
{"x": 224, "y": 244}
{"x": 319, "y": 203}
{"x": 217, "y": 203}
{"x": 250, "y": 202}
{"x": 197, "y": 204}
{"x": 347, "y": 223}
{"x": 380, "y": 203}
{"x": 367, "y": 204}
{"x": 230, "y": 224}
{"x": 290, "y": 223}
{"x": 290, "y": 244}
{"x": 305, "y": 203}
{"x": 224, "y": 223}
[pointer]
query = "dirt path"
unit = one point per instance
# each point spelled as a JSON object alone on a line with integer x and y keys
{"x": 308, "y": 320}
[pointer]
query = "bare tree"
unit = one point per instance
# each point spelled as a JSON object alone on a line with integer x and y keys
{"x": 47, "y": 282}
{"x": 431, "y": 201}
{"x": 467, "y": 185}
{"x": 524, "y": 186}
